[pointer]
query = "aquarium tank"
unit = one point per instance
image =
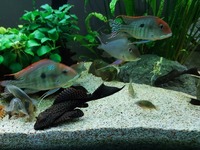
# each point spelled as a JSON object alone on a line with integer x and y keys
{"x": 100, "y": 74}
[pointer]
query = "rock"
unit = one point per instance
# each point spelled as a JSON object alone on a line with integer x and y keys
{"x": 141, "y": 72}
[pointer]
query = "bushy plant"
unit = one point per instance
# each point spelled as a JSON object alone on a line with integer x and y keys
{"x": 44, "y": 31}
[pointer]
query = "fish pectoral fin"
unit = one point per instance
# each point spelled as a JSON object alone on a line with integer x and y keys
{"x": 76, "y": 113}
{"x": 47, "y": 94}
{"x": 141, "y": 42}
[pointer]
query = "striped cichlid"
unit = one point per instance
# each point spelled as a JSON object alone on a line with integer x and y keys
{"x": 42, "y": 75}
{"x": 143, "y": 27}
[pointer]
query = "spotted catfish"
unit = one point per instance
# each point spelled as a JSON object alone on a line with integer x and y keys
{"x": 66, "y": 103}
{"x": 42, "y": 75}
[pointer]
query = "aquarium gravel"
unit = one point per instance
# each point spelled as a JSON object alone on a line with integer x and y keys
{"x": 115, "y": 121}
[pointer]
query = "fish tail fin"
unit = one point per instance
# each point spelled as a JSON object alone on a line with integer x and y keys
{"x": 116, "y": 26}
{"x": 103, "y": 91}
{"x": 5, "y": 82}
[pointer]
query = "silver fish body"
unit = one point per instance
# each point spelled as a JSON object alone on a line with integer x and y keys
{"x": 120, "y": 48}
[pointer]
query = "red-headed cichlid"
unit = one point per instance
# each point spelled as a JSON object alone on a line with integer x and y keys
{"x": 42, "y": 75}
{"x": 143, "y": 27}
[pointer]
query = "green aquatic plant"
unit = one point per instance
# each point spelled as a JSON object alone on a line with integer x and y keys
{"x": 89, "y": 40}
{"x": 12, "y": 48}
{"x": 156, "y": 70}
{"x": 49, "y": 29}
{"x": 182, "y": 20}
{"x": 42, "y": 35}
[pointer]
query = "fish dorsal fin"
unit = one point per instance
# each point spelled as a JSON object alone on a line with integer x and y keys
{"x": 130, "y": 19}
{"x": 30, "y": 68}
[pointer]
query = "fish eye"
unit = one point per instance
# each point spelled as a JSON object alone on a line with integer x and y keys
{"x": 130, "y": 50}
{"x": 161, "y": 26}
{"x": 64, "y": 71}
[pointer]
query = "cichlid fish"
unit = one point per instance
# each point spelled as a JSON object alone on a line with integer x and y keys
{"x": 143, "y": 27}
{"x": 42, "y": 75}
{"x": 120, "y": 48}
{"x": 16, "y": 108}
{"x": 23, "y": 101}
{"x": 65, "y": 104}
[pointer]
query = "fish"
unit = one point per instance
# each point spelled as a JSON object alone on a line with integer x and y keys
{"x": 42, "y": 75}
{"x": 64, "y": 107}
{"x": 119, "y": 47}
{"x": 195, "y": 102}
{"x": 23, "y": 101}
{"x": 131, "y": 90}
{"x": 174, "y": 74}
{"x": 149, "y": 28}
{"x": 146, "y": 104}
{"x": 16, "y": 108}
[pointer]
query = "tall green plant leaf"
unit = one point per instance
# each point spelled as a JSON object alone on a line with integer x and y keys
{"x": 97, "y": 15}
{"x": 130, "y": 7}
{"x": 112, "y": 6}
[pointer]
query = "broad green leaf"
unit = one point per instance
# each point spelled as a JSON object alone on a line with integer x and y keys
{"x": 3, "y": 30}
{"x": 37, "y": 35}
{"x": 53, "y": 34}
{"x": 15, "y": 67}
{"x": 65, "y": 8}
{"x": 62, "y": 21}
{"x": 29, "y": 51}
{"x": 50, "y": 17}
{"x": 1, "y": 59}
{"x": 43, "y": 50}
{"x": 27, "y": 16}
{"x": 47, "y": 8}
{"x": 43, "y": 29}
{"x": 55, "y": 57}
{"x": 33, "y": 26}
{"x": 45, "y": 39}
{"x": 32, "y": 43}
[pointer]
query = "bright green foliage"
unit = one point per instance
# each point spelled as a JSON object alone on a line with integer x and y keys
{"x": 43, "y": 32}
{"x": 112, "y": 6}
